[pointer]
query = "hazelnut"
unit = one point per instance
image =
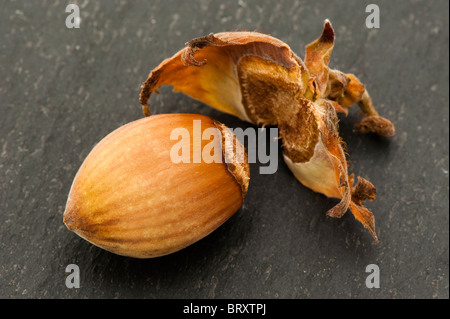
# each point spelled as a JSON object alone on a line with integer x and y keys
{"x": 131, "y": 198}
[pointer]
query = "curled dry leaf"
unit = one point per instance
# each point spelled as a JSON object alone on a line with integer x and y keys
{"x": 259, "y": 79}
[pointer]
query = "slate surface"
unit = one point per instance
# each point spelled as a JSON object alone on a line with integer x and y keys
{"x": 62, "y": 90}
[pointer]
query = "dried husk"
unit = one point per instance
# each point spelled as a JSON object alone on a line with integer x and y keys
{"x": 259, "y": 79}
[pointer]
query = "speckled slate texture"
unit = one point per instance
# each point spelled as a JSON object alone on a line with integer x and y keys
{"x": 62, "y": 90}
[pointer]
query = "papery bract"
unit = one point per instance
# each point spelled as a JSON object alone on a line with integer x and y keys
{"x": 259, "y": 79}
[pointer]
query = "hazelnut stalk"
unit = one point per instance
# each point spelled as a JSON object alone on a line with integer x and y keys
{"x": 259, "y": 79}
{"x": 129, "y": 197}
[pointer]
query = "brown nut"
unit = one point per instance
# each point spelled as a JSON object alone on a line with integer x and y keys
{"x": 131, "y": 198}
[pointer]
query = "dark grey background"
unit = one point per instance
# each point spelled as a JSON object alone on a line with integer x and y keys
{"x": 62, "y": 90}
